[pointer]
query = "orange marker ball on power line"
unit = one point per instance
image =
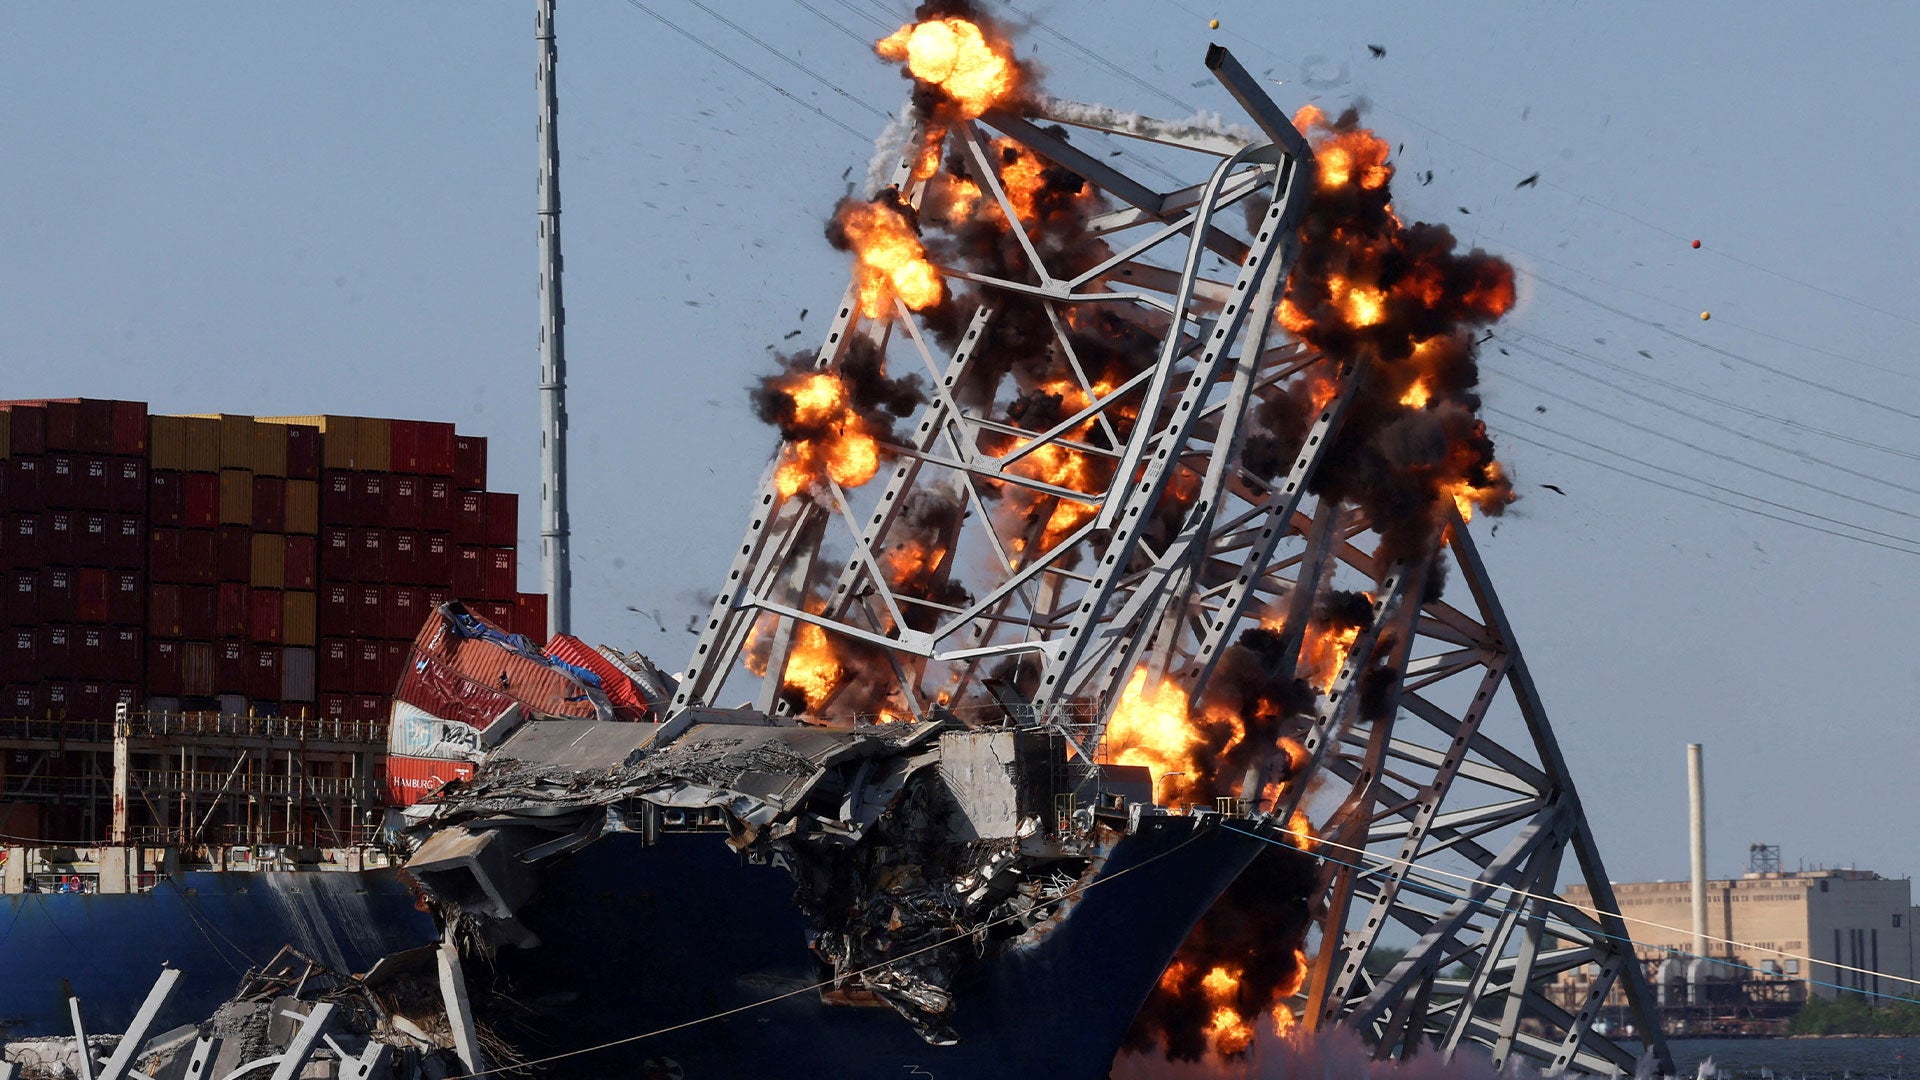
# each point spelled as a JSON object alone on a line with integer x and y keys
{"x": 1213, "y": 24}
{"x": 1705, "y": 315}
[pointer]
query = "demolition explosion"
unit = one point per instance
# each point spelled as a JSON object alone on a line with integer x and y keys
{"x": 1104, "y": 694}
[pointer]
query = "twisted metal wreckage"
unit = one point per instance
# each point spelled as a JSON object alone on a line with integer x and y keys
{"x": 1437, "y": 797}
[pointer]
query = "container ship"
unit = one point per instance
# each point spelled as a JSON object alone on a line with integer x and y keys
{"x": 247, "y": 590}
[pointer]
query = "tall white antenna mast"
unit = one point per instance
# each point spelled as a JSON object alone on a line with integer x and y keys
{"x": 556, "y": 569}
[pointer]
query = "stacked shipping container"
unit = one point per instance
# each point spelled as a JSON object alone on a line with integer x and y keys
{"x": 73, "y": 479}
{"x": 275, "y": 564}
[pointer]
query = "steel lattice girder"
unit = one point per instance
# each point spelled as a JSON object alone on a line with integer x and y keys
{"x": 1436, "y": 803}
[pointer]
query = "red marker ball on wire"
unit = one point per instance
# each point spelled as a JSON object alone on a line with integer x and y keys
{"x": 1696, "y": 243}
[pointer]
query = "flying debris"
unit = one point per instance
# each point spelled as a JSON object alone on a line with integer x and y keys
{"x": 1378, "y": 51}
{"x": 803, "y": 314}
{"x": 1644, "y": 353}
{"x": 1553, "y": 488}
{"x": 1464, "y": 210}
{"x": 1530, "y": 181}
{"x": 1536, "y": 408}
{"x": 790, "y": 335}
{"x": 1426, "y": 178}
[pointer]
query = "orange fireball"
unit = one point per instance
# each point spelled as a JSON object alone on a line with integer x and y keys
{"x": 954, "y": 55}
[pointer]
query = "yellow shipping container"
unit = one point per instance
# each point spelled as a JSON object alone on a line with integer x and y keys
{"x": 269, "y": 561}
{"x": 236, "y": 497}
{"x": 303, "y": 507}
{"x": 376, "y": 447}
{"x": 6, "y": 434}
{"x": 201, "y": 438}
{"x": 269, "y": 450}
{"x": 236, "y": 438}
{"x": 299, "y": 618}
{"x": 167, "y": 441}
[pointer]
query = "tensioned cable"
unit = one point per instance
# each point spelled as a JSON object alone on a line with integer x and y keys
{"x": 1584, "y": 198}
{"x": 1687, "y": 491}
{"x": 1701, "y": 395}
{"x": 747, "y": 71}
{"x": 1115, "y": 876}
{"x": 1729, "y": 458}
{"x": 1445, "y": 892}
{"x": 790, "y": 61}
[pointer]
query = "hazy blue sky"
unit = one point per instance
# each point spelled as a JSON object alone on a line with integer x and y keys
{"x": 329, "y": 208}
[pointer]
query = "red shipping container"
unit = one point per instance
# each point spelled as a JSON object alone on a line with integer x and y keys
{"x": 23, "y": 598}
{"x": 93, "y": 483}
{"x": 403, "y": 558}
{"x": 200, "y": 499}
{"x": 339, "y": 498}
{"x": 28, "y": 433}
{"x": 334, "y": 708}
{"x": 23, "y": 702}
{"x": 263, "y": 673}
{"x": 91, "y": 547}
{"x": 26, "y": 484}
{"x": 63, "y": 426}
{"x": 470, "y": 517}
{"x": 165, "y": 556}
{"x": 403, "y": 501}
{"x": 129, "y": 427}
{"x": 58, "y": 483}
{"x": 125, "y": 593}
{"x": 470, "y": 572}
{"x": 95, "y": 422}
{"x": 26, "y": 546}
{"x": 269, "y": 503}
{"x": 336, "y": 665}
{"x": 199, "y": 608}
{"x": 469, "y": 461}
{"x": 126, "y": 542}
{"x": 495, "y": 612}
{"x": 230, "y": 656}
{"x": 268, "y": 618}
{"x": 336, "y": 554}
{"x": 393, "y": 663}
{"x": 303, "y": 452}
{"x": 369, "y": 708}
{"x": 437, "y": 598}
{"x": 503, "y": 574}
{"x": 403, "y": 441}
{"x": 436, "y": 449}
{"x": 234, "y": 557}
{"x": 59, "y": 698}
{"x": 163, "y": 667}
{"x": 90, "y": 701}
{"x": 123, "y": 654}
{"x": 336, "y": 611}
{"x": 436, "y": 505}
{"x": 235, "y": 610}
{"x": 127, "y": 694}
{"x": 93, "y": 595}
{"x": 90, "y": 652}
{"x": 368, "y": 660}
{"x": 57, "y": 594}
{"x": 370, "y": 499}
{"x": 436, "y": 562}
{"x": 163, "y": 615}
{"x": 166, "y": 499}
{"x": 301, "y": 573}
{"x": 199, "y": 556}
{"x": 369, "y": 555}
{"x": 369, "y": 610}
{"x": 55, "y": 651}
{"x": 60, "y": 536}
{"x": 22, "y": 654}
{"x": 503, "y": 519}
{"x": 126, "y": 485}
{"x": 406, "y": 610}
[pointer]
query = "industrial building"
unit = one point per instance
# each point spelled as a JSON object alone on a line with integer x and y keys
{"x": 1857, "y": 921}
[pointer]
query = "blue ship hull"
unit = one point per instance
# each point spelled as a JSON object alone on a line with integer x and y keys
{"x": 211, "y": 925}
{"x": 638, "y": 938}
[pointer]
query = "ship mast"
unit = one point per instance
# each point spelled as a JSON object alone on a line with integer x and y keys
{"x": 556, "y": 570}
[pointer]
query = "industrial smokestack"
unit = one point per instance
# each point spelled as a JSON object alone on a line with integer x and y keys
{"x": 1697, "y": 806}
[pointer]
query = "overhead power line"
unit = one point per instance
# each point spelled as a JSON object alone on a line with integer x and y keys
{"x": 790, "y": 61}
{"x": 747, "y": 71}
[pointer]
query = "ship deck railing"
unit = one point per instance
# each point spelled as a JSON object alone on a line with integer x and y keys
{"x": 163, "y": 726}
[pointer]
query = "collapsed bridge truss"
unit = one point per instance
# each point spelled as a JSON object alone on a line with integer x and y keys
{"x": 1430, "y": 771}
